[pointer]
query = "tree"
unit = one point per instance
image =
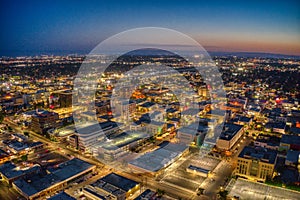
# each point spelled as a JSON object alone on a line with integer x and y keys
{"x": 223, "y": 194}
{"x": 1, "y": 117}
{"x": 160, "y": 192}
{"x": 24, "y": 157}
{"x": 26, "y": 133}
{"x": 200, "y": 191}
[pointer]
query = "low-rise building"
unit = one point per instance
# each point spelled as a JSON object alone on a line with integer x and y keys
{"x": 256, "y": 163}
{"x": 42, "y": 184}
{"x": 152, "y": 162}
{"x": 229, "y": 136}
{"x": 292, "y": 158}
{"x": 288, "y": 142}
{"x": 10, "y": 172}
{"x": 267, "y": 141}
{"x": 88, "y": 135}
{"x": 120, "y": 145}
{"x": 113, "y": 187}
{"x": 61, "y": 196}
{"x": 198, "y": 170}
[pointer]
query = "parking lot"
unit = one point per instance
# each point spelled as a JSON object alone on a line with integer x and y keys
{"x": 205, "y": 162}
{"x": 190, "y": 181}
{"x": 251, "y": 190}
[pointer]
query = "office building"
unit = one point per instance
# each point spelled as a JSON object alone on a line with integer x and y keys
{"x": 256, "y": 163}
{"x": 44, "y": 120}
{"x": 230, "y": 134}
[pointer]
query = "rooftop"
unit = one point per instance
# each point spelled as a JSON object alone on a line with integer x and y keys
{"x": 119, "y": 181}
{"x": 61, "y": 196}
{"x": 259, "y": 153}
{"x": 290, "y": 139}
{"x": 199, "y": 169}
{"x": 147, "y": 194}
{"x": 123, "y": 139}
{"x": 293, "y": 156}
{"x": 11, "y": 171}
{"x": 156, "y": 160}
{"x": 40, "y": 182}
{"x": 229, "y": 131}
{"x": 191, "y": 111}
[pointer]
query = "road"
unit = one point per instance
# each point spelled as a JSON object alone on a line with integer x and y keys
{"x": 221, "y": 172}
{"x": 54, "y": 145}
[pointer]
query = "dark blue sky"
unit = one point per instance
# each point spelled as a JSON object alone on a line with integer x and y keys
{"x": 35, "y": 27}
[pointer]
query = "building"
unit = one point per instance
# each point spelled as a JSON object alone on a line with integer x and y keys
{"x": 4, "y": 156}
{"x": 155, "y": 128}
{"x": 267, "y": 141}
{"x": 230, "y": 134}
{"x": 190, "y": 115}
{"x": 198, "y": 170}
{"x": 148, "y": 194}
{"x": 65, "y": 99}
{"x": 152, "y": 162}
{"x": 102, "y": 108}
{"x": 61, "y": 196}
{"x": 147, "y": 107}
{"x": 125, "y": 108}
{"x": 292, "y": 158}
{"x": 43, "y": 184}
{"x": 43, "y": 121}
{"x": 242, "y": 120}
{"x": 256, "y": 163}
{"x": 194, "y": 132}
{"x": 112, "y": 186}
{"x": 120, "y": 144}
{"x": 10, "y": 172}
{"x": 288, "y": 142}
{"x": 88, "y": 135}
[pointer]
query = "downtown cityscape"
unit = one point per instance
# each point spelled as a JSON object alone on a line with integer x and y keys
{"x": 148, "y": 113}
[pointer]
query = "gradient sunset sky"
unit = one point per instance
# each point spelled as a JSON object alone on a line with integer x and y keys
{"x": 55, "y": 27}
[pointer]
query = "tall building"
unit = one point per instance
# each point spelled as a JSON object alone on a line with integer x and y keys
{"x": 256, "y": 163}
{"x": 65, "y": 99}
{"x": 43, "y": 121}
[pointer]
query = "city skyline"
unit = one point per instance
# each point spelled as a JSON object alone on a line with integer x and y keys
{"x": 61, "y": 27}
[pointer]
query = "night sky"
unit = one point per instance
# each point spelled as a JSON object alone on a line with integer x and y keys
{"x": 61, "y": 27}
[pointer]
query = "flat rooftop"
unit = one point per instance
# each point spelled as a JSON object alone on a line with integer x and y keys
{"x": 113, "y": 184}
{"x": 61, "y": 196}
{"x": 229, "y": 131}
{"x": 293, "y": 156}
{"x": 147, "y": 194}
{"x": 160, "y": 158}
{"x": 10, "y": 170}
{"x": 64, "y": 171}
{"x": 123, "y": 139}
{"x": 262, "y": 154}
{"x": 290, "y": 139}
{"x": 199, "y": 169}
{"x": 119, "y": 181}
